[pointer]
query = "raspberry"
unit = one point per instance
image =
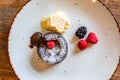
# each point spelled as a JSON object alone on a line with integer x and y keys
{"x": 81, "y": 32}
{"x": 82, "y": 44}
{"x": 51, "y": 44}
{"x": 92, "y": 38}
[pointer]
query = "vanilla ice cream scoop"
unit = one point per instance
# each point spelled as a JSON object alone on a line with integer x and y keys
{"x": 57, "y": 22}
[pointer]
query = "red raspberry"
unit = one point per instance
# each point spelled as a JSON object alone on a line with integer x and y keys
{"x": 92, "y": 38}
{"x": 51, "y": 44}
{"x": 82, "y": 44}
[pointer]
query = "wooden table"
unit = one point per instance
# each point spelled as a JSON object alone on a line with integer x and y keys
{"x": 8, "y": 11}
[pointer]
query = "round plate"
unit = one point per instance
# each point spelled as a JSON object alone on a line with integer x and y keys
{"x": 97, "y": 62}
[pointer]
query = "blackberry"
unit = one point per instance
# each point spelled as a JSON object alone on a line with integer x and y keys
{"x": 81, "y": 32}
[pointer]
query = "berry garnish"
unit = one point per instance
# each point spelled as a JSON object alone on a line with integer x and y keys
{"x": 82, "y": 44}
{"x": 51, "y": 44}
{"x": 81, "y": 32}
{"x": 92, "y": 38}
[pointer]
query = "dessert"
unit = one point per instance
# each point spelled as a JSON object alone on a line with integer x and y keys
{"x": 81, "y": 32}
{"x": 51, "y": 47}
{"x": 57, "y": 22}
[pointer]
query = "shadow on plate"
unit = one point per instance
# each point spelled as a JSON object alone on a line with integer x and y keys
{"x": 74, "y": 41}
{"x": 37, "y": 63}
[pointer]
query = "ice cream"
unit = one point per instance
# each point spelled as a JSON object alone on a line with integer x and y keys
{"x": 57, "y": 22}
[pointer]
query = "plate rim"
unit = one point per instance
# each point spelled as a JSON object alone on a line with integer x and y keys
{"x": 107, "y": 8}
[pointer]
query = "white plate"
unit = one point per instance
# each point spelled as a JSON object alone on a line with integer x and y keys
{"x": 98, "y": 62}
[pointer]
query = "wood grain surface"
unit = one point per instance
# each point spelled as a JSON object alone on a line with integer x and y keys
{"x": 8, "y": 11}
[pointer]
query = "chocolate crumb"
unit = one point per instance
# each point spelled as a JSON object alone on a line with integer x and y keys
{"x": 106, "y": 33}
{"x": 65, "y": 71}
{"x": 105, "y": 56}
{"x": 75, "y": 3}
{"x": 37, "y": 3}
{"x": 38, "y": 59}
